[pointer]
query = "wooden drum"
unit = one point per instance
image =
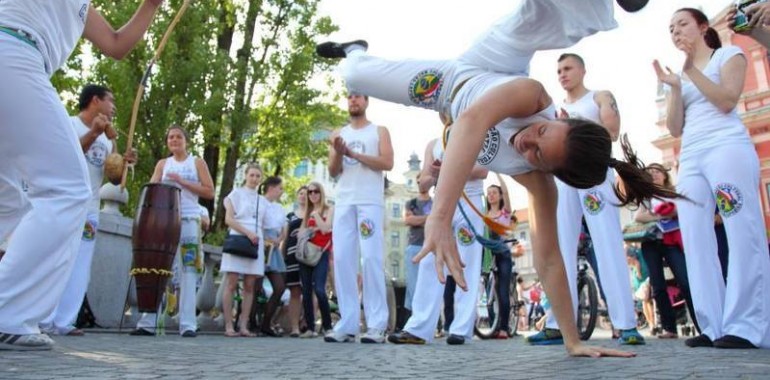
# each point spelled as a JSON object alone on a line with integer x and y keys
{"x": 156, "y": 233}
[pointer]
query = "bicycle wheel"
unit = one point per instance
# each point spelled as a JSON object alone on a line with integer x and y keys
{"x": 486, "y": 308}
{"x": 588, "y": 307}
{"x": 513, "y": 320}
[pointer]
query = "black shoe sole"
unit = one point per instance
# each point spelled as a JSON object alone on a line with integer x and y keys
{"x": 402, "y": 340}
{"x": 141, "y": 332}
{"x": 632, "y": 5}
{"x": 733, "y": 342}
{"x": 336, "y": 49}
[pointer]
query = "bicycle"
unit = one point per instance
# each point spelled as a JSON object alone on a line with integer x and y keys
{"x": 588, "y": 298}
{"x": 487, "y": 307}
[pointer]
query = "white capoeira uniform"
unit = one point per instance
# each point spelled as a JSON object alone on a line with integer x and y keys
{"x": 603, "y": 220}
{"x": 506, "y": 48}
{"x": 358, "y": 225}
{"x": 428, "y": 296}
{"x": 38, "y": 144}
{"x": 189, "y": 257}
{"x": 719, "y": 167}
{"x": 62, "y": 320}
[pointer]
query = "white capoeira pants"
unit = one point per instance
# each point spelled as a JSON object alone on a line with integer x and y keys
{"x": 38, "y": 145}
{"x": 507, "y": 47}
{"x": 359, "y": 228}
{"x": 186, "y": 277}
{"x": 428, "y": 296}
{"x": 63, "y": 318}
{"x": 603, "y": 220}
{"x": 709, "y": 178}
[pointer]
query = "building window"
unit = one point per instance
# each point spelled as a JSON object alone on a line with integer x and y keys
{"x": 395, "y": 239}
{"x": 396, "y": 210}
{"x": 302, "y": 169}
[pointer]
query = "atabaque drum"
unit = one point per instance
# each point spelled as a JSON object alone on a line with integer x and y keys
{"x": 157, "y": 228}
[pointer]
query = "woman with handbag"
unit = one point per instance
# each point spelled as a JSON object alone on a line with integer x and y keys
{"x": 275, "y": 233}
{"x": 294, "y": 222}
{"x": 318, "y": 221}
{"x": 245, "y": 213}
{"x": 655, "y": 251}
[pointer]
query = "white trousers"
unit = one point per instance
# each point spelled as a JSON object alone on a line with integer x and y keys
{"x": 38, "y": 145}
{"x": 727, "y": 177}
{"x": 186, "y": 278}
{"x": 603, "y": 220}
{"x": 507, "y": 47}
{"x": 429, "y": 292}
{"x": 359, "y": 228}
{"x": 63, "y": 318}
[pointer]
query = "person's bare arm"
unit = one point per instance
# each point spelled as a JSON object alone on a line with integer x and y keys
{"x": 336, "y": 153}
{"x": 117, "y": 44}
{"x": 726, "y": 94}
{"x": 412, "y": 220}
{"x": 382, "y": 161}
{"x": 608, "y": 113}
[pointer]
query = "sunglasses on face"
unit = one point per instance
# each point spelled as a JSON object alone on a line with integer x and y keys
{"x": 314, "y": 191}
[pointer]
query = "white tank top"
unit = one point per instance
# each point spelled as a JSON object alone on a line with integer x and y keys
{"x": 55, "y": 25}
{"x": 497, "y": 153}
{"x": 187, "y": 170}
{"x": 586, "y": 108}
{"x": 358, "y": 184}
{"x": 95, "y": 157}
{"x": 473, "y": 187}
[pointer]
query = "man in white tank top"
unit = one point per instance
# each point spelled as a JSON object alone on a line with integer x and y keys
{"x": 38, "y": 143}
{"x": 596, "y": 205}
{"x": 360, "y": 152}
{"x": 93, "y": 126}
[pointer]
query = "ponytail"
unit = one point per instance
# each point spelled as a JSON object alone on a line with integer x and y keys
{"x": 712, "y": 39}
{"x": 637, "y": 185}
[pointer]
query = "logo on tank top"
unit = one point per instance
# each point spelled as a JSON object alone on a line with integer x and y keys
{"x": 490, "y": 148}
{"x": 357, "y": 147}
{"x": 464, "y": 235}
{"x": 97, "y": 154}
{"x": 83, "y": 11}
{"x": 729, "y": 199}
{"x": 366, "y": 228}
{"x": 425, "y": 87}
{"x": 89, "y": 231}
{"x": 593, "y": 202}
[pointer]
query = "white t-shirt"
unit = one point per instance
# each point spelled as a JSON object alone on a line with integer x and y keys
{"x": 244, "y": 201}
{"x": 95, "y": 157}
{"x": 275, "y": 218}
{"x": 187, "y": 170}
{"x": 705, "y": 126}
{"x": 497, "y": 153}
{"x": 358, "y": 184}
{"x": 55, "y": 25}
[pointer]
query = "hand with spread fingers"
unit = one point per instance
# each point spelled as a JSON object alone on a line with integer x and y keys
{"x": 758, "y": 15}
{"x": 440, "y": 241}
{"x": 668, "y": 77}
{"x": 597, "y": 352}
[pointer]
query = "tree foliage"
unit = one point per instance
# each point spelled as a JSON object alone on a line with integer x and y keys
{"x": 236, "y": 74}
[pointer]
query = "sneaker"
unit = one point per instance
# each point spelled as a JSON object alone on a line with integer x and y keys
{"x": 732, "y": 341}
{"x": 189, "y": 334}
{"x": 373, "y": 336}
{"x": 27, "y": 342}
{"x": 141, "y": 332}
{"x": 545, "y": 337}
{"x": 455, "y": 340}
{"x": 338, "y": 337}
{"x": 76, "y": 332}
{"x": 404, "y": 337}
{"x": 270, "y": 332}
{"x": 631, "y": 337}
{"x": 632, "y": 5}
{"x": 308, "y": 334}
{"x": 701, "y": 340}
{"x": 338, "y": 50}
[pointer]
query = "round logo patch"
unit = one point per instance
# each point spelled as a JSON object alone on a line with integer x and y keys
{"x": 366, "y": 228}
{"x": 729, "y": 199}
{"x": 357, "y": 147}
{"x": 490, "y": 148}
{"x": 97, "y": 154}
{"x": 593, "y": 202}
{"x": 464, "y": 235}
{"x": 425, "y": 87}
{"x": 89, "y": 231}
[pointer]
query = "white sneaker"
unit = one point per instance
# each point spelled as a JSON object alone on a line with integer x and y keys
{"x": 338, "y": 337}
{"x": 28, "y": 342}
{"x": 373, "y": 336}
{"x": 308, "y": 334}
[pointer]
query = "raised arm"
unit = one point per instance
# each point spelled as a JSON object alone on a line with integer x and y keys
{"x": 117, "y": 44}
{"x": 381, "y": 162}
{"x": 336, "y": 153}
{"x": 608, "y": 113}
{"x": 674, "y": 102}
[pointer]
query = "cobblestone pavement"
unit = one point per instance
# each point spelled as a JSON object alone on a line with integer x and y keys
{"x": 119, "y": 356}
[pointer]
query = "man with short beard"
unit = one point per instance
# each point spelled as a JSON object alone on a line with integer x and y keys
{"x": 360, "y": 152}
